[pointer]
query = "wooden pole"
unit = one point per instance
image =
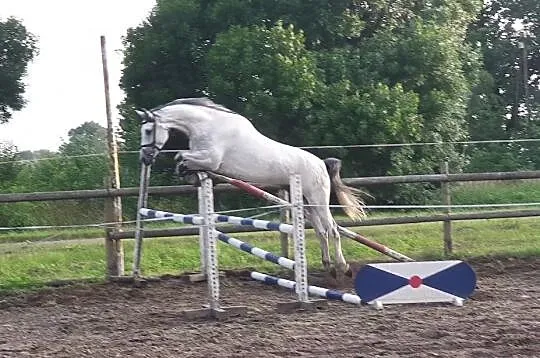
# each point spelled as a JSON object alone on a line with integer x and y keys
{"x": 447, "y": 223}
{"x": 114, "y": 249}
{"x": 142, "y": 202}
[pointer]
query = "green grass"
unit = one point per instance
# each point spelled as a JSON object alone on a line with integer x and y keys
{"x": 27, "y": 261}
{"x": 50, "y": 234}
{"x": 496, "y": 192}
{"x": 27, "y": 266}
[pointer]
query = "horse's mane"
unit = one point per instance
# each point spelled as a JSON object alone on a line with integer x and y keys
{"x": 196, "y": 101}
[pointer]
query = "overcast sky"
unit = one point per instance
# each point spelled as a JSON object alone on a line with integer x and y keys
{"x": 65, "y": 82}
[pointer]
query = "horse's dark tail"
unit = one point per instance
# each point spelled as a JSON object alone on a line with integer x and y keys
{"x": 347, "y": 196}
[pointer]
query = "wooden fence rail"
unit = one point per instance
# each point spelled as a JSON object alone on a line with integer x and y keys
{"x": 189, "y": 189}
{"x": 444, "y": 179}
{"x": 191, "y": 230}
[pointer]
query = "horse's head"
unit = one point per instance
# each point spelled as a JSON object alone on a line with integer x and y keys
{"x": 154, "y": 135}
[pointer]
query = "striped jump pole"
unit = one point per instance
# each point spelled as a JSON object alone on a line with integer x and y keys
{"x": 236, "y": 220}
{"x": 263, "y": 254}
{"x": 259, "y": 193}
{"x": 244, "y": 246}
{"x": 313, "y": 290}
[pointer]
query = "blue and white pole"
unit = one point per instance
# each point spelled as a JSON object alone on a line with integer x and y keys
{"x": 313, "y": 290}
{"x": 197, "y": 220}
{"x": 244, "y": 246}
{"x": 263, "y": 254}
{"x": 186, "y": 219}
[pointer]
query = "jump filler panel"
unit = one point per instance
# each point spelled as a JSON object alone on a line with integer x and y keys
{"x": 415, "y": 282}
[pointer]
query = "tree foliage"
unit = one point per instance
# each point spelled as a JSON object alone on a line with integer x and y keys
{"x": 313, "y": 72}
{"x": 8, "y": 165}
{"x": 265, "y": 73}
{"x": 505, "y": 103}
{"x": 17, "y": 48}
{"x": 80, "y": 163}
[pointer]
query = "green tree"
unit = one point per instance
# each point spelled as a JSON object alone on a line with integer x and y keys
{"x": 17, "y": 49}
{"x": 8, "y": 166}
{"x": 383, "y": 71}
{"x": 84, "y": 172}
{"x": 80, "y": 163}
{"x": 88, "y": 138}
{"x": 266, "y": 74}
{"x": 505, "y": 104}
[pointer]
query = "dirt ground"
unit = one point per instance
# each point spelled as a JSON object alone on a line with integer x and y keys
{"x": 502, "y": 319}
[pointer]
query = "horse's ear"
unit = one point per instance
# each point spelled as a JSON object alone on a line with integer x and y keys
{"x": 142, "y": 115}
{"x": 149, "y": 115}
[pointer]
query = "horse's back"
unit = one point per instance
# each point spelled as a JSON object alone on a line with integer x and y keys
{"x": 254, "y": 157}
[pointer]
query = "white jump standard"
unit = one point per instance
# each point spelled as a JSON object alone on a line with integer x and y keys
{"x": 263, "y": 254}
{"x": 210, "y": 235}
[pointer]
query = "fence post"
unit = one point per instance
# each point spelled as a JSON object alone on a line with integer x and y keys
{"x": 115, "y": 251}
{"x": 447, "y": 223}
{"x": 284, "y": 217}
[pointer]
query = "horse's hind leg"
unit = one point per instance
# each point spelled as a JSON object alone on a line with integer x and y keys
{"x": 322, "y": 234}
{"x": 341, "y": 264}
{"x": 324, "y": 226}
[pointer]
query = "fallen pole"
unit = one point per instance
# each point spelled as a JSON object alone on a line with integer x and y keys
{"x": 259, "y": 193}
{"x": 374, "y": 245}
{"x": 250, "y": 189}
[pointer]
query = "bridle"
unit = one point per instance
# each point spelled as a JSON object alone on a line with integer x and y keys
{"x": 150, "y": 118}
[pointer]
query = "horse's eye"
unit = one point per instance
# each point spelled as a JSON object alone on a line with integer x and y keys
{"x": 148, "y": 131}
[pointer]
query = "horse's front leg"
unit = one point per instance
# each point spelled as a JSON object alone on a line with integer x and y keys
{"x": 191, "y": 160}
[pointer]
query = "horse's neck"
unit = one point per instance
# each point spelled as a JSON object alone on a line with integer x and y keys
{"x": 201, "y": 123}
{"x": 187, "y": 120}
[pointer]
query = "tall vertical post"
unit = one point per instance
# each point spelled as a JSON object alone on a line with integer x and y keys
{"x": 208, "y": 241}
{"x": 209, "y": 236}
{"x": 115, "y": 251}
{"x": 300, "y": 265}
{"x": 200, "y": 196}
{"x": 447, "y": 223}
{"x": 284, "y": 217}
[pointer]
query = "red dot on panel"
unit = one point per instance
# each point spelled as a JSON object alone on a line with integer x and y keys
{"x": 415, "y": 281}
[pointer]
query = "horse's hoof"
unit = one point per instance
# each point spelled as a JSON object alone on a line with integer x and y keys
{"x": 181, "y": 169}
{"x": 349, "y": 273}
{"x": 333, "y": 272}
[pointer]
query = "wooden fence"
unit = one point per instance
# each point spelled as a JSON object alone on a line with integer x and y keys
{"x": 447, "y": 217}
{"x": 189, "y": 189}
